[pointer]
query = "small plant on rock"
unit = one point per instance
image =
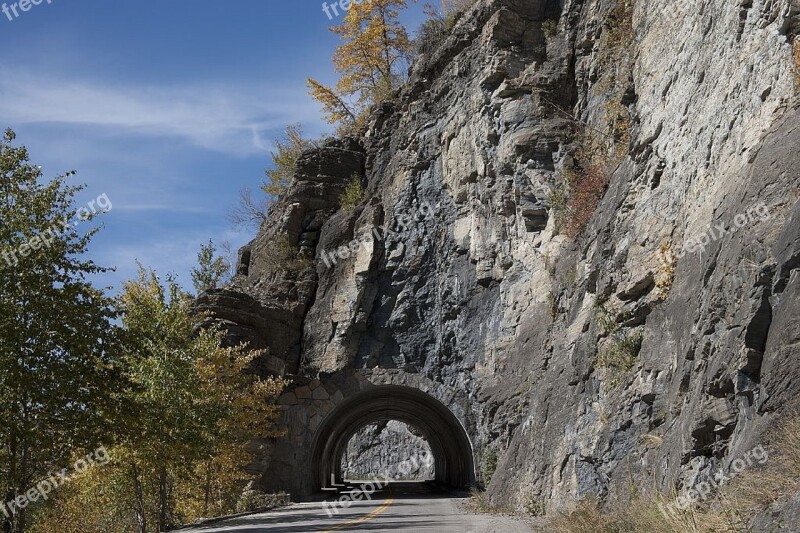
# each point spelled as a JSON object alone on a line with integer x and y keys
{"x": 620, "y": 355}
{"x": 666, "y": 273}
{"x": 353, "y": 194}
{"x": 286, "y": 256}
{"x": 489, "y": 465}
{"x": 550, "y": 27}
{"x": 796, "y": 55}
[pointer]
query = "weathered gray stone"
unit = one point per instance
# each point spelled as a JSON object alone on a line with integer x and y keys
{"x": 501, "y": 318}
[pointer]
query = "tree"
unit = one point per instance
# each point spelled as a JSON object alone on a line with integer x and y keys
{"x": 375, "y": 46}
{"x": 251, "y": 211}
{"x": 287, "y": 151}
{"x": 196, "y": 407}
{"x": 59, "y": 347}
{"x": 211, "y": 269}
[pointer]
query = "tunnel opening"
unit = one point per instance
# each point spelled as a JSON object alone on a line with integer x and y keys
{"x": 450, "y": 450}
{"x": 390, "y": 450}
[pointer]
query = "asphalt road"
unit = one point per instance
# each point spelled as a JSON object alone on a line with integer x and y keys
{"x": 389, "y": 511}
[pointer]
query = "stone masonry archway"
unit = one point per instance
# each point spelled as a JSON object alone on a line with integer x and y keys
{"x": 321, "y": 415}
{"x": 446, "y": 437}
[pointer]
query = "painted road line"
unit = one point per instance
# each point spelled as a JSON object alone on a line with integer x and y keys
{"x": 366, "y": 518}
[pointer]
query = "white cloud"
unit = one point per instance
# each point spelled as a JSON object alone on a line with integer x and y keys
{"x": 230, "y": 119}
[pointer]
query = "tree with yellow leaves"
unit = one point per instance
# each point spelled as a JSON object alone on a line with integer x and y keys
{"x": 375, "y": 46}
{"x": 181, "y": 452}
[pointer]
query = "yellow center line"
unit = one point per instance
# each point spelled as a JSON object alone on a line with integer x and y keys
{"x": 367, "y": 517}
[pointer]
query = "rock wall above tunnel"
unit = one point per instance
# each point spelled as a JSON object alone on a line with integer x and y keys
{"x": 658, "y": 342}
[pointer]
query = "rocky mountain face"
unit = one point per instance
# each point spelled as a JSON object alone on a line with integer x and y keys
{"x": 583, "y": 215}
{"x": 388, "y": 450}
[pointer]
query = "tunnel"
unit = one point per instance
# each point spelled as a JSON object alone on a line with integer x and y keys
{"x": 448, "y": 441}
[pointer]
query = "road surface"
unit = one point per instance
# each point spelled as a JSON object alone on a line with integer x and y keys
{"x": 389, "y": 511}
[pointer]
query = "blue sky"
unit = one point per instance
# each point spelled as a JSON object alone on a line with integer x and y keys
{"x": 169, "y": 107}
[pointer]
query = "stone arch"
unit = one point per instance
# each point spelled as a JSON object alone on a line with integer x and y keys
{"x": 449, "y": 442}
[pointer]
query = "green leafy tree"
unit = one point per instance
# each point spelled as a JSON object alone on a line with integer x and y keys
{"x": 59, "y": 365}
{"x": 211, "y": 270}
{"x": 181, "y": 456}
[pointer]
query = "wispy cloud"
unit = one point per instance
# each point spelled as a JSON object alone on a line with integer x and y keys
{"x": 229, "y": 119}
{"x": 170, "y": 254}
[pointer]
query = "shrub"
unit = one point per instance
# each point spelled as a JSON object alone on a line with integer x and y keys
{"x": 286, "y": 257}
{"x": 619, "y": 126}
{"x": 550, "y": 27}
{"x": 557, "y": 199}
{"x": 430, "y": 35}
{"x": 489, "y": 465}
{"x": 587, "y": 186}
{"x": 288, "y": 150}
{"x": 552, "y": 304}
{"x": 533, "y": 506}
{"x": 606, "y": 320}
{"x": 621, "y": 353}
{"x": 666, "y": 273}
{"x": 453, "y": 9}
{"x": 440, "y": 24}
{"x": 796, "y": 54}
{"x": 353, "y": 193}
{"x": 255, "y": 500}
{"x": 479, "y": 503}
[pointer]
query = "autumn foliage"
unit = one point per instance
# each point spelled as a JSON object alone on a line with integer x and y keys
{"x": 587, "y": 186}
{"x": 181, "y": 451}
{"x": 375, "y": 46}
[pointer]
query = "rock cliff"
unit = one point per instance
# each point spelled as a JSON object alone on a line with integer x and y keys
{"x": 582, "y": 214}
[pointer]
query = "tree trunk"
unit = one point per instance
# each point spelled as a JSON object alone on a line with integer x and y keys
{"x": 207, "y": 488}
{"x": 163, "y": 500}
{"x": 141, "y": 516}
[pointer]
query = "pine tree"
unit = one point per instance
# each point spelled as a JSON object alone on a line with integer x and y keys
{"x": 59, "y": 347}
{"x": 375, "y": 46}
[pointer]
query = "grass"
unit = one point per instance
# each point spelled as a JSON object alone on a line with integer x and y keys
{"x": 620, "y": 355}
{"x": 557, "y": 199}
{"x": 730, "y": 510}
{"x": 479, "y": 503}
